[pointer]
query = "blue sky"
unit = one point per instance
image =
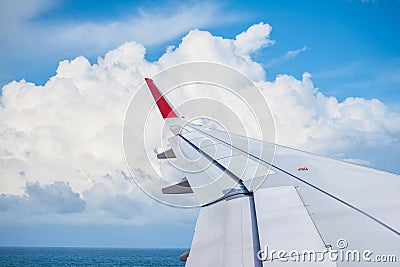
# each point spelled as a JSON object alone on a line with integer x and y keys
{"x": 350, "y": 48}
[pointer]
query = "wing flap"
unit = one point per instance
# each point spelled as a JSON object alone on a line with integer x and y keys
{"x": 284, "y": 224}
{"x": 223, "y": 235}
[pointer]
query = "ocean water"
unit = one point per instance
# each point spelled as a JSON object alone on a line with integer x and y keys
{"x": 55, "y": 256}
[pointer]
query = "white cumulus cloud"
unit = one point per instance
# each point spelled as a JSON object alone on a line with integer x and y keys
{"x": 65, "y": 137}
{"x": 256, "y": 37}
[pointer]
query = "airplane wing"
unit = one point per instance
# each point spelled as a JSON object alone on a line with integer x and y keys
{"x": 295, "y": 208}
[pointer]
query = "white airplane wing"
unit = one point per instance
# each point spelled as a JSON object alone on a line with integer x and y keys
{"x": 293, "y": 208}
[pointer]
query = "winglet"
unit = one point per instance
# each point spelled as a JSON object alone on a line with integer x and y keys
{"x": 166, "y": 109}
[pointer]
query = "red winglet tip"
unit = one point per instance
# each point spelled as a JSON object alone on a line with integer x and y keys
{"x": 162, "y": 104}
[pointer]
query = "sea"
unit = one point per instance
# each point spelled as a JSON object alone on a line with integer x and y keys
{"x": 73, "y": 256}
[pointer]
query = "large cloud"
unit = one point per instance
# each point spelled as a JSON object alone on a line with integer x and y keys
{"x": 308, "y": 119}
{"x": 54, "y": 198}
{"x": 53, "y": 36}
{"x": 70, "y": 129}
